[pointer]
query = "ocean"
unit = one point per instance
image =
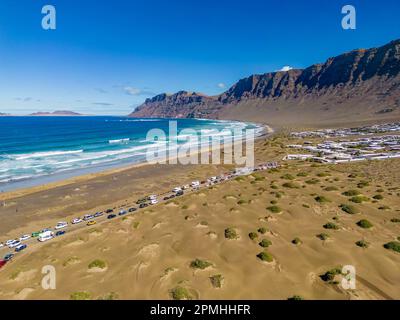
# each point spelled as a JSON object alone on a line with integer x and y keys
{"x": 37, "y": 150}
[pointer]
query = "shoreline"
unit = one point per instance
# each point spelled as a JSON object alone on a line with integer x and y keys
{"x": 114, "y": 169}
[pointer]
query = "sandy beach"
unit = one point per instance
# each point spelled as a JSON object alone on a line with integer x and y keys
{"x": 148, "y": 255}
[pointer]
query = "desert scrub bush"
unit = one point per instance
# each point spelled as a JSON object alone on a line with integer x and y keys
{"x": 329, "y": 276}
{"x": 331, "y": 188}
{"x": 217, "y": 280}
{"x": 109, "y": 296}
{"x": 274, "y": 186}
{"x": 239, "y": 179}
{"x": 71, "y": 260}
{"x": 273, "y": 202}
{"x": 80, "y": 295}
{"x": 395, "y": 220}
{"x": 262, "y": 230}
{"x": 297, "y": 241}
{"x": 241, "y": 201}
{"x": 365, "y": 224}
{"x": 295, "y": 298}
{"x": 306, "y": 206}
{"x": 135, "y": 225}
{"x": 312, "y": 181}
{"x": 362, "y": 184}
{"x": 200, "y": 264}
{"x": 302, "y": 174}
{"x": 323, "y": 236}
{"x": 180, "y": 293}
{"x": 291, "y": 185}
{"x": 362, "y": 244}
{"x": 265, "y": 256}
{"x": 97, "y": 264}
{"x": 265, "y": 243}
{"x": 393, "y": 245}
{"x": 348, "y": 208}
{"x": 359, "y": 199}
{"x": 230, "y": 233}
{"x": 352, "y": 175}
{"x": 287, "y": 176}
{"x": 378, "y": 197}
{"x": 321, "y": 199}
{"x": 323, "y": 174}
{"x": 351, "y": 193}
{"x": 331, "y": 225}
{"x": 384, "y": 208}
{"x": 184, "y": 207}
{"x": 253, "y": 235}
{"x": 274, "y": 209}
{"x": 380, "y": 190}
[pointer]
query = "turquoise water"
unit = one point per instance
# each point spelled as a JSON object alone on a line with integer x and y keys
{"x": 34, "y": 150}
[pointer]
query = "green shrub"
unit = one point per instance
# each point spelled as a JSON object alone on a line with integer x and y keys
{"x": 331, "y": 188}
{"x": 348, "y": 208}
{"x": 265, "y": 243}
{"x": 306, "y": 206}
{"x": 273, "y": 186}
{"x": 302, "y": 174}
{"x": 323, "y": 236}
{"x": 351, "y": 193}
{"x": 97, "y": 264}
{"x": 393, "y": 245}
{"x": 287, "y": 176}
{"x": 331, "y": 225}
{"x": 265, "y": 256}
{"x": 274, "y": 209}
{"x": 291, "y": 185}
{"x": 395, "y": 220}
{"x": 230, "y": 233}
{"x": 330, "y": 274}
{"x": 312, "y": 181}
{"x": 378, "y": 197}
{"x": 109, "y": 296}
{"x": 297, "y": 241}
{"x": 217, "y": 280}
{"x": 362, "y": 244}
{"x": 363, "y": 184}
{"x": 359, "y": 199}
{"x": 364, "y": 224}
{"x": 296, "y": 298}
{"x": 253, "y": 235}
{"x": 180, "y": 293}
{"x": 242, "y": 201}
{"x": 262, "y": 230}
{"x": 384, "y": 208}
{"x": 321, "y": 199}
{"x": 80, "y": 295}
{"x": 323, "y": 174}
{"x": 200, "y": 264}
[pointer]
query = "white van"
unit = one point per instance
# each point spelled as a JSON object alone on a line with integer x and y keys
{"x": 48, "y": 235}
{"x": 61, "y": 225}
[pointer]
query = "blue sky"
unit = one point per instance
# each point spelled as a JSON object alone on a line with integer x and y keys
{"x": 106, "y": 57}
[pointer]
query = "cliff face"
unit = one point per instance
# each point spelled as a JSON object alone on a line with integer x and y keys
{"x": 372, "y": 75}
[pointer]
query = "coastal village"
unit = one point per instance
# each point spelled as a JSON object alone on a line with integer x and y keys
{"x": 375, "y": 142}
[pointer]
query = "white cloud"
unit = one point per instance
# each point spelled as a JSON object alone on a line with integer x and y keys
{"x": 286, "y": 69}
{"x": 221, "y": 85}
{"x": 132, "y": 91}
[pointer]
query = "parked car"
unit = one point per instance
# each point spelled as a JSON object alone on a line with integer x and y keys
{"x": 76, "y": 221}
{"x": 61, "y": 225}
{"x": 20, "y": 247}
{"x": 16, "y": 243}
{"x": 60, "y": 233}
{"x": 45, "y": 236}
{"x": 35, "y": 234}
{"x": 111, "y": 216}
{"x": 122, "y": 212}
{"x": 179, "y": 193}
{"x": 177, "y": 189}
{"x": 24, "y": 237}
{"x": 154, "y": 201}
{"x": 91, "y": 223}
{"x": 98, "y": 214}
{"x": 87, "y": 217}
{"x": 109, "y": 210}
{"x": 132, "y": 209}
{"x": 8, "y": 242}
{"x": 1, "y": 245}
{"x": 8, "y": 256}
{"x": 143, "y": 205}
{"x": 2, "y": 263}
